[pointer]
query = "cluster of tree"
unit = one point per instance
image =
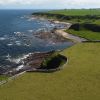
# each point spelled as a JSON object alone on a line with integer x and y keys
{"x": 54, "y": 61}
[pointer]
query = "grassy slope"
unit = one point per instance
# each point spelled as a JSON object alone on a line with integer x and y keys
{"x": 85, "y": 34}
{"x": 79, "y": 80}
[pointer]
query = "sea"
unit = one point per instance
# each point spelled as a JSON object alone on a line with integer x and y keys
{"x": 17, "y": 38}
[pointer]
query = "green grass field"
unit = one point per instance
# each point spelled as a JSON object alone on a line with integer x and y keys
{"x": 77, "y": 12}
{"x": 79, "y": 79}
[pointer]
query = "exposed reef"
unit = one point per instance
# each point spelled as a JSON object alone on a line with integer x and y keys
{"x": 39, "y": 62}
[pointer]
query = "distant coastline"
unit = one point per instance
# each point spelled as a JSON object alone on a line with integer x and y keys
{"x": 62, "y": 32}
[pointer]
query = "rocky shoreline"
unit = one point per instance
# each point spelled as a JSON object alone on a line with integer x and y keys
{"x": 31, "y": 60}
{"x": 60, "y": 30}
{"x": 33, "y": 63}
{"x": 51, "y": 36}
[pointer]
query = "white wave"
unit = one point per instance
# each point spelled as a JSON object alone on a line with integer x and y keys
{"x": 12, "y": 38}
{"x": 19, "y": 67}
{"x": 25, "y": 56}
{"x": 22, "y": 17}
{"x": 18, "y": 43}
{"x": 41, "y": 29}
{"x": 14, "y": 32}
{"x": 27, "y": 45}
{"x": 2, "y": 38}
{"x": 18, "y": 33}
{"x": 51, "y": 43}
{"x": 20, "y": 59}
{"x": 52, "y": 25}
{"x": 16, "y": 60}
{"x": 30, "y": 30}
{"x": 8, "y": 55}
{"x": 31, "y": 18}
{"x": 8, "y": 58}
{"x": 10, "y": 44}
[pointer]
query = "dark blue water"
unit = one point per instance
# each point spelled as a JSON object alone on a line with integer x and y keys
{"x": 16, "y": 35}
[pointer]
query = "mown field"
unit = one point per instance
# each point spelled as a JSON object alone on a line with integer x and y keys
{"x": 79, "y": 79}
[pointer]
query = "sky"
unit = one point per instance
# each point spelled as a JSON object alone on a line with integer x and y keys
{"x": 48, "y": 4}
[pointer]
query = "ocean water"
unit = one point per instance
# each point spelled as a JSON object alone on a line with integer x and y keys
{"x": 17, "y": 38}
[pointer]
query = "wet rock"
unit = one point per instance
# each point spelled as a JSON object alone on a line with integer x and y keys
{"x": 2, "y": 70}
{"x": 51, "y": 36}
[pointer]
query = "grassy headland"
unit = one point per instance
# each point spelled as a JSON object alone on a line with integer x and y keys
{"x": 79, "y": 80}
{"x": 74, "y": 15}
{"x": 88, "y": 31}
